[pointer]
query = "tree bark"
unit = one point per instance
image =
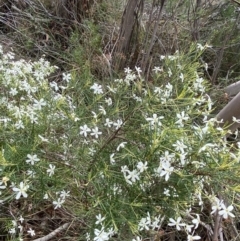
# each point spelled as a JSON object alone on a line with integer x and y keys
{"x": 232, "y": 109}
{"x": 124, "y": 47}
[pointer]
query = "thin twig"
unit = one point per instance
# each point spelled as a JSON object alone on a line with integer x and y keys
{"x": 152, "y": 41}
{"x": 53, "y": 233}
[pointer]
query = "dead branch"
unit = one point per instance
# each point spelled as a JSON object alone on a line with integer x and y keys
{"x": 54, "y": 233}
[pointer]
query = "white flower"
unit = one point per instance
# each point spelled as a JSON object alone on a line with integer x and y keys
{"x": 21, "y": 191}
{"x": 181, "y": 77}
{"x": 124, "y": 169}
{"x": 39, "y": 104}
{"x": 95, "y": 132}
{"x": 179, "y": 146}
{"x": 19, "y": 125}
{"x": 127, "y": 70}
{"x": 51, "y": 170}
{"x": 94, "y": 115}
{"x": 58, "y": 203}
{"x": 191, "y": 238}
{"x": 91, "y": 151}
{"x": 54, "y": 85}
{"x": 199, "y": 46}
{"x": 144, "y": 223}
{"x": 169, "y": 87}
{"x": 64, "y": 194}
{"x": 176, "y": 223}
{"x": 196, "y": 221}
{"x": 206, "y": 66}
{"x": 21, "y": 219}
{"x": 111, "y": 232}
{"x": 108, "y": 123}
{"x": 142, "y": 166}
{"x": 157, "y": 69}
{"x": 182, "y": 158}
{"x": 13, "y": 91}
{"x": 129, "y": 77}
{"x": 121, "y": 145}
{"x": 181, "y": 118}
{"x": 14, "y": 223}
{"x": 236, "y": 120}
{"x": 226, "y": 211}
{"x": 132, "y": 176}
{"x": 155, "y": 120}
{"x": 101, "y": 235}
{"x": 31, "y": 173}
{"x": 156, "y": 223}
{"x": 45, "y": 196}
{"x": 88, "y": 236}
{"x": 167, "y": 157}
{"x": 31, "y": 232}
{"x": 166, "y": 192}
{"x": 172, "y": 57}
{"x": 97, "y": 89}
{"x": 217, "y": 205}
{"x": 157, "y": 90}
{"x": 118, "y": 124}
{"x": 12, "y": 231}
{"x": 84, "y": 130}
{"x": 108, "y": 101}
{"x": 66, "y": 77}
{"x": 112, "y": 160}
{"x": 99, "y": 219}
{"x": 198, "y": 85}
{"x": 138, "y": 69}
{"x": 43, "y": 139}
{"x": 137, "y": 239}
{"x": 2, "y": 186}
{"x": 169, "y": 72}
{"x": 102, "y": 110}
{"x": 32, "y": 159}
{"x": 189, "y": 227}
{"x": 167, "y": 170}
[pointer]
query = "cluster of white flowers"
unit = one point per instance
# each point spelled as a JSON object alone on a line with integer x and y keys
{"x": 198, "y": 84}
{"x": 101, "y": 234}
{"x": 148, "y": 223}
{"x": 188, "y": 228}
{"x": 17, "y": 227}
{"x": 218, "y": 207}
{"x": 165, "y": 168}
{"x": 164, "y": 93}
{"x": 155, "y": 121}
{"x": 134, "y": 175}
{"x": 62, "y": 198}
{"x": 182, "y": 117}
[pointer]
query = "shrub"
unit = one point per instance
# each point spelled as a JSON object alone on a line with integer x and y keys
{"x": 127, "y": 158}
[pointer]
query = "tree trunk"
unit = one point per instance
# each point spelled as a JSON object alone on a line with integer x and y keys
{"x": 125, "y": 47}
{"x": 232, "y": 109}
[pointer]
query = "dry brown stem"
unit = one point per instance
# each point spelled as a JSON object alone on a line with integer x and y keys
{"x": 53, "y": 233}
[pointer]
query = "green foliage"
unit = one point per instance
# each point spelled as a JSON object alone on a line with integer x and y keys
{"x": 136, "y": 154}
{"x": 127, "y": 157}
